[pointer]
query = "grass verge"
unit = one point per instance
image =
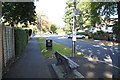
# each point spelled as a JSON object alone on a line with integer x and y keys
{"x": 56, "y": 47}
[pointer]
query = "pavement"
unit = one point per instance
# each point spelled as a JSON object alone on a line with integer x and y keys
{"x": 31, "y": 64}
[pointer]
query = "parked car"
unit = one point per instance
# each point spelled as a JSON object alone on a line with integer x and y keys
{"x": 69, "y": 36}
{"x": 78, "y": 36}
{"x": 81, "y": 34}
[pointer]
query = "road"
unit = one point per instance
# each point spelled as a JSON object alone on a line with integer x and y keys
{"x": 102, "y": 53}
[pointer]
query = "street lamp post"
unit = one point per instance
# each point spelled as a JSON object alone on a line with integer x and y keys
{"x": 74, "y": 30}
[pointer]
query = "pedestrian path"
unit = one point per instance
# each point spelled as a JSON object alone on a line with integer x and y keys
{"x": 31, "y": 64}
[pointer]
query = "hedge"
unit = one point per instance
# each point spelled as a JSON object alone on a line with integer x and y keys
{"x": 27, "y": 34}
{"x": 100, "y": 35}
{"x": 82, "y": 33}
{"x": 21, "y": 39}
{"x": 30, "y": 32}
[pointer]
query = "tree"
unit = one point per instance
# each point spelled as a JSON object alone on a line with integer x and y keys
{"x": 67, "y": 29}
{"x": 53, "y": 28}
{"x": 18, "y": 12}
{"x": 88, "y": 14}
{"x": 118, "y": 5}
{"x": 91, "y": 12}
{"x": 116, "y": 28}
{"x": 107, "y": 8}
{"x": 112, "y": 8}
{"x": 84, "y": 19}
{"x": 45, "y": 25}
{"x": 68, "y": 16}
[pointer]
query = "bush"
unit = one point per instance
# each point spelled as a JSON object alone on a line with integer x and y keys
{"x": 30, "y": 32}
{"x": 100, "y": 35}
{"x": 27, "y": 34}
{"x": 21, "y": 38}
{"x": 100, "y": 32}
{"x": 82, "y": 33}
{"x": 90, "y": 35}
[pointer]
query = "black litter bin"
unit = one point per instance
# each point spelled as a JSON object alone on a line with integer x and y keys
{"x": 49, "y": 44}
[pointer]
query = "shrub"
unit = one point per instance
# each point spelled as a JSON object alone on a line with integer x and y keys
{"x": 100, "y": 32}
{"x": 53, "y": 28}
{"x": 20, "y": 40}
{"x": 82, "y": 33}
{"x": 100, "y": 35}
{"x": 90, "y": 35}
{"x": 27, "y": 34}
{"x": 30, "y": 32}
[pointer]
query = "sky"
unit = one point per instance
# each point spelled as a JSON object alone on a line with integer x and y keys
{"x": 53, "y": 9}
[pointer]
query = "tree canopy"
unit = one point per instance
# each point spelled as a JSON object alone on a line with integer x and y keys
{"x": 18, "y": 12}
{"x": 90, "y": 12}
{"x": 53, "y": 28}
{"x": 45, "y": 24}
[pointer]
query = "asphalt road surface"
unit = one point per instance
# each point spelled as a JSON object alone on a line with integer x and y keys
{"x": 102, "y": 53}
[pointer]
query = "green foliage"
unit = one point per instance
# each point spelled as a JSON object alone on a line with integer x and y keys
{"x": 67, "y": 29}
{"x": 82, "y": 33}
{"x": 68, "y": 16}
{"x": 21, "y": 39}
{"x": 100, "y": 35}
{"x": 27, "y": 34}
{"x": 90, "y": 12}
{"x": 18, "y": 12}
{"x": 100, "y": 32}
{"x": 53, "y": 28}
{"x": 116, "y": 28}
{"x": 30, "y": 32}
{"x": 90, "y": 35}
{"x": 49, "y": 53}
{"x": 108, "y": 8}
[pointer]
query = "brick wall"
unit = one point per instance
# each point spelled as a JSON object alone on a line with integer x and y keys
{"x": 1, "y": 51}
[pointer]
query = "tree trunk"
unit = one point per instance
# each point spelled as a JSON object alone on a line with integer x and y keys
{"x": 119, "y": 38}
{"x": 119, "y": 19}
{"x": 119, "y": 12}
{"x": 116, "y": 72}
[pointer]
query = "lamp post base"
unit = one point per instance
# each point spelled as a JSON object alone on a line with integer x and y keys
{"x": 73, "y": 48}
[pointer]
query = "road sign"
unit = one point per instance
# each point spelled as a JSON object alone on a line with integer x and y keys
{"x": 74, "y": 36}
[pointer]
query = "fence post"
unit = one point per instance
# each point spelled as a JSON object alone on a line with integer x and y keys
{"x": 13, "y": 45}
